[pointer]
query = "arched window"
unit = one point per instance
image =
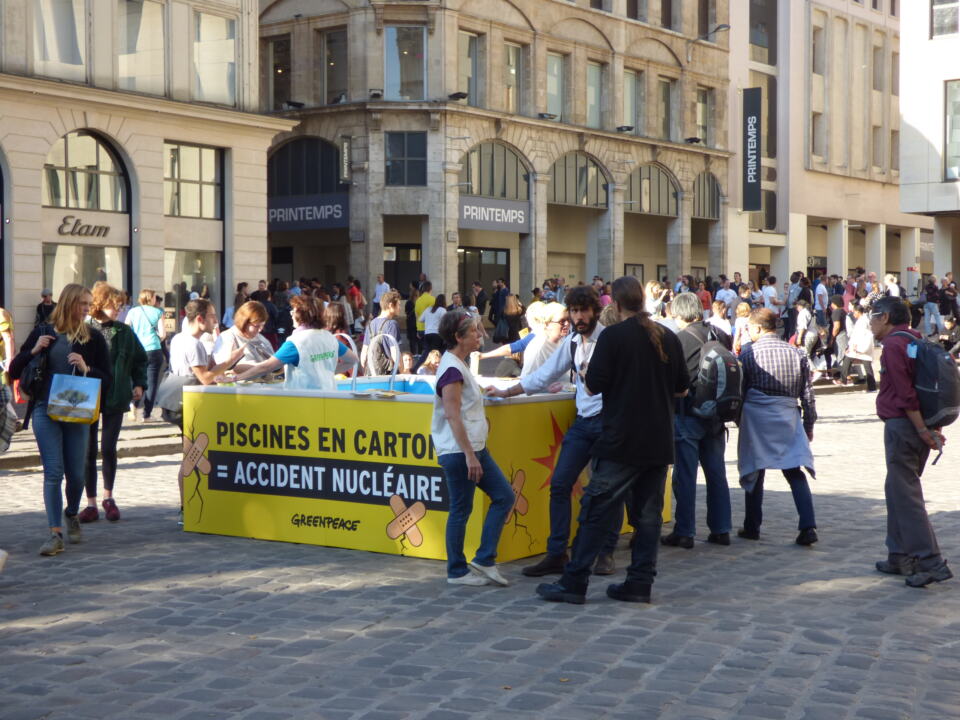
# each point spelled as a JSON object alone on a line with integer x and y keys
{"x": 706, "y": 197}
{"x": 653, "y": 191}
{"x": 83, "y": 172}
{"x": 577, "y": 179}
{"x": 494, "y": 170}
{"x": 306, "y": 166}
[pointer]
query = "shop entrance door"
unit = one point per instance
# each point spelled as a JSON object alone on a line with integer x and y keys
{"x": 483, "y": 264}
{"x": 401, "y": 266}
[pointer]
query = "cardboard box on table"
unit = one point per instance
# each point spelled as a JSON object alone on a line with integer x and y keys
{"x": 328, "y": 468}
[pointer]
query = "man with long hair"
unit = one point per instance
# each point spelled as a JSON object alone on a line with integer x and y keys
{"x": 639, "y": 369}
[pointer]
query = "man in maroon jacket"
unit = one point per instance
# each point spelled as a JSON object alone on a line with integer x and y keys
{"x": 911, "y": 543}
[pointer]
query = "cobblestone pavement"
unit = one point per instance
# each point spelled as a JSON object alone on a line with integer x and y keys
{"x": 143, "y": 620}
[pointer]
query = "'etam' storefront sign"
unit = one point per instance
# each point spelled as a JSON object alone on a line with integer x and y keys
{"x": 308, "y": 212}
{"x": 483, "y": 213}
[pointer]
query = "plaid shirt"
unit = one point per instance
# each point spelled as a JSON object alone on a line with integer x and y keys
{"x": 776, "y": 368}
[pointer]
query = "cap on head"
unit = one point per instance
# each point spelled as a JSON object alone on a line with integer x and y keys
{"x": 46, "y": 291}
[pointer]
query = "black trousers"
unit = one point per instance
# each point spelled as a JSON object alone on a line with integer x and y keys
{"x": 867, "y": 366}
{"x": 111, "y": 423}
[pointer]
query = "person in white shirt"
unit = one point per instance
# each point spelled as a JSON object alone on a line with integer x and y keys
{"x": 545, "y": 342}
{"x": 378, "y": 291}
{"x": 892, "y": 286}
{"x": 771, "y": 298}
{"x": 569, "y": 364}
{"x": 431, "y": 318}
{"x": 728, "y": 296}
{"x": 821, "y": 302}
{"x": 249, "y": 319}
{"x": 718, "y": 318}
{"x": 459, "y": 431}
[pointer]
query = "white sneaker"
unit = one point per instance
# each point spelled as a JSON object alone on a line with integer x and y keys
{"x": 468, "y": 579}
{"x": 491, "y": 573}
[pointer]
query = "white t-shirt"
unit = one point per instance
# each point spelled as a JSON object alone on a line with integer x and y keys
{"x": 186, "y": 353}
{"x": 769, "y": 294}
{"x": 822, "y": 298}
{"x": 431, "y": 320}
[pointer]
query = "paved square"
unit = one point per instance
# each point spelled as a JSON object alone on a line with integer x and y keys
{"x": 143, "y": 620}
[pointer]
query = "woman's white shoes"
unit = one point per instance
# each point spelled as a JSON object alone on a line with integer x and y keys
{"x": 491, "y": 573}
{"x": 468, "y": 579}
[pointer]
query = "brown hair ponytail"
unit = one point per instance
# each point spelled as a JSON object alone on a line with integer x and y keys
{"x": 628, "y": 294}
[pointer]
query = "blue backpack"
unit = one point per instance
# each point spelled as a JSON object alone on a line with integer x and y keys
{"x": 936, "y": 380}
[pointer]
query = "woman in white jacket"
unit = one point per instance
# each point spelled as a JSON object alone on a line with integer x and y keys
{"x": 459, "y": 430}
{"x": 859, "y": 349}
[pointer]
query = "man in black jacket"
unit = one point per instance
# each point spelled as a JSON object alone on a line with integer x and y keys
{"x": 634, "y": 359}
{"x": 479, "y": 297}
{"x": 698, "y": 441}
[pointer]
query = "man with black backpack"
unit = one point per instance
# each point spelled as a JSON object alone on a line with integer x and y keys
{"x": 912, "y": 409}
{"x": 699, "y": 440}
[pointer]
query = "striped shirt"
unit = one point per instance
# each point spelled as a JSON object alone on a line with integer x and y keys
{"x": 776, "y": 368}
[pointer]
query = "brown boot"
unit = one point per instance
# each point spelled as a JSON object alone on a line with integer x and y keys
{"x": 550, "y": 565}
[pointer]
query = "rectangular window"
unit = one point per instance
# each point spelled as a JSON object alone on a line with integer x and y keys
{"x": 405, "y": 63}
{"x": 467, "y": 65}
{"x": 192, "y": 181}
{"x": 555, "y": 85}
{"x": 818, "y": 135}
{"x": 895, "y": 150}
{"x": 594, "y": 94}
{"x": 633, "y": 105}
{"x": 893, "y": 7}
{"x": 768, "y": 123}
{"x": 951, "y": 146}
{"x": 665, "y": 110}
{"x": 944, "y": 17}
{"x": 706, "y": 16}
{"x": 83, "y": 265}
{"x": 763, "y": 31}
{"x": 666, "y": 14}
{"x": 190, "y": 271}
{"x": 140, "y": 57}
{"x": 766, "y": 219}
{"x": 704, "y": 112}
{"x": 335, "y": 67}
{"x": 406, "y": 158}
{"x": 876, "y": 4}
{"x": 817, "y": 50}
{"x": 877, "y": 146}
{"x": 878, "y": 67}
{"x": 637, "y": 9}
{"x": 596, "y": 4}
{"x": 513, "y": 78}
{"x": 215, "y": 59}
{"x": 277, "y": 63}
{"x": 60, "y": 39}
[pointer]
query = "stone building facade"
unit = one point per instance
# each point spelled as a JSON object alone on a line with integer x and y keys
{"x": 829, "y": 75}
{"x": 480, "y": 138}
{"x": 930, "y": 117}
{"x": 131, "y": 148}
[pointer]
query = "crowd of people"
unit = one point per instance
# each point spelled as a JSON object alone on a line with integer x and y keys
{"x": 610, "y": 342}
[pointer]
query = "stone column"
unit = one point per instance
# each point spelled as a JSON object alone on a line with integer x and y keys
{"x": 366, "y": 230}
{"x": 717, "y": 245}
{"x": 678, "y": 239}
{"x": 942, "y": 245}
{"x": 737, "y": 244}
{"x": 605, "y": 247}
{"x": 909, "y": 257}
{"x": 876, "y": 247}
{"x": 838, "y": 247}
{"x": 440, "y": 237}
{"x": 793, "y": 255}
{"x": 533, "y": 245}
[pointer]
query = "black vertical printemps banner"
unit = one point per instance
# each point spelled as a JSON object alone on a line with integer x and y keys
{"x": 751, "y": 149}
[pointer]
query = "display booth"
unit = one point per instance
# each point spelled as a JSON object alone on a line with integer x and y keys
{"x": 356, "y": 468}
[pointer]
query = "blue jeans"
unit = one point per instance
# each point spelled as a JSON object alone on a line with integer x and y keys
{"x": 802, "y": 498}
{"x": 931, "y": 315}
{"x": 63, "y": 451}
{"x": 700, "y": 442}
{"x": 154, "y": 363}
{"x": 613, "y": 484}
{"x": 462, "y": 491}
{"x": 821, "y": 317}
{"x": 574, "y": 456}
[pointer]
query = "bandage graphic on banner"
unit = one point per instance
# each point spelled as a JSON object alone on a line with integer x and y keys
{"x": 520, "y": 505}
{"x": 193, "y": 458}
{"x": 405, "y": 520}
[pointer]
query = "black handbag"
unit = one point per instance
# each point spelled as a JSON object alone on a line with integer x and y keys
{"x": 34, "y": 375}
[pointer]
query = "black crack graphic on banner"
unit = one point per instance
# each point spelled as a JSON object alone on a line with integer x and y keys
{"x": 518, "y": 526}
{"x": 196, "y": 490}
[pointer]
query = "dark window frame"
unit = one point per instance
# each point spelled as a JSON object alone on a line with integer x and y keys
{"x": 495, "y": 182}
{"x": 119, "y": 172}
{"x": 405, "y": 160}
{"x": 177, "y": 183}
